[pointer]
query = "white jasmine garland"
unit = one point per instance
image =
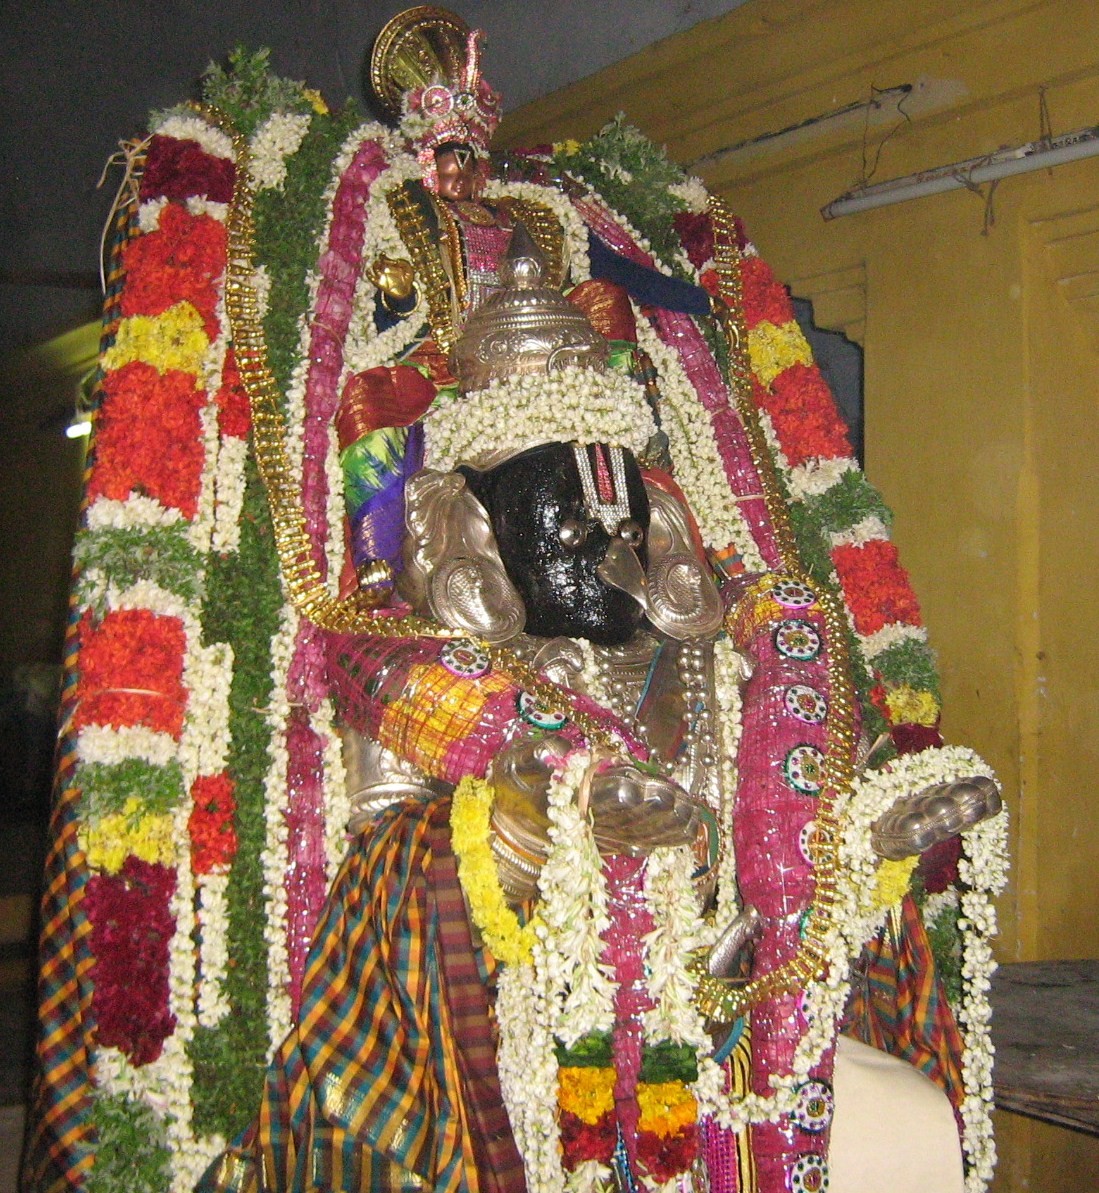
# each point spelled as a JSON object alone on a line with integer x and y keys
{"x": 574, "y": 914}
{"x": 200, "y": 529}
{"x": 699, "y": 470}
{"x": 890, "y": 635}
{"x": 200, "y": 205}
{"x": 229, "y": 495}
{"x": 171, "y": 1075}
{"x": 136, "y": 511}
{"x": 366, "y": 347}
{"x": 677, "y": 931}
{"x": 337, "y": 803}
{"x": 213, "y": 954}
{"x": 939, "y": 904}
{"x": 185, "y": 127}
{"x": 207, "y": 676}
{"x": 983, "y": 868}
{"x": 145, "y": 594}
{"x": 275, "y": 858}
{"x": 527, "y": 1066}
{"x": 107, "y": 746}
{"x": 574, "y": 249}
{"x": 816, "y": 476}
{"x": 867, "y": 530}
{"x": 148, "y": 213}
{"x": 692, "y": 193}
{"x": 509, "y": 415}
{"x": 277, "y": 138}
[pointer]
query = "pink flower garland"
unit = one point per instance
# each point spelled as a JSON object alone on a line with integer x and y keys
{"x": 339, "y": 265}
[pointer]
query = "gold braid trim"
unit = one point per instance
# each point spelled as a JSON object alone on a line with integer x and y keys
{"x": 545, "y": 230}
{"x": 718, "y": 999}
{"x": 304, "y": 586}
{"x": 423, "y": 250}
{"x": 731, "y": 290}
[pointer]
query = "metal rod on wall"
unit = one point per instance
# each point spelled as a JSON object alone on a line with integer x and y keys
{"x": 1035, "y": 155}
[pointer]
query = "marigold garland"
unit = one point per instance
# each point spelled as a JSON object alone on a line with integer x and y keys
{"x": 875, "y": 585}
{"x": 132, "y": 831}
{"x": 132, "y": 671}
{"x": 182, "y": 260}
{"x": 174, "y": 339}
{"x": 507, "y": 939}
{"x": 148, "y": 437}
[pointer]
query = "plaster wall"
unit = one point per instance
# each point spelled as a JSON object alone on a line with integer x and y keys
{"x": 979, "y": 317}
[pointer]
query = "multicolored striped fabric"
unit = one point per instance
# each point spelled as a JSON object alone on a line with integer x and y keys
{"x": 898, "y": 1003}
{"x": 59, "y": 1151}
{"x": 388, "y": 1081}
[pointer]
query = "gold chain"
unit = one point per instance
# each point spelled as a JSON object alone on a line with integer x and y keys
{"x": 423, "y": 250}
{"x": 731, "y": 290}
{"x": 716, "y": 998}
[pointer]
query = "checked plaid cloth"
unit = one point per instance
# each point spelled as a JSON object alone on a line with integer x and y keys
{"x": 388, "y": 1081}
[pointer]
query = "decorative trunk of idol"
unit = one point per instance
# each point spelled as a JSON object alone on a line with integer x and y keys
{"x": 500, "y": 744}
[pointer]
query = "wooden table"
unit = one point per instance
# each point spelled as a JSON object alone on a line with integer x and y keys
{"x": 1045, "y": 1025}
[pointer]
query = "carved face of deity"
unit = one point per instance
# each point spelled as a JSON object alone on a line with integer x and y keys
{"x": 456, "y": 167}
{"x": 552, "y": 543}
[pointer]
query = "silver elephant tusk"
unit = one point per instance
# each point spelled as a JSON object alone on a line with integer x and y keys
{"x": 725, "y": 957}
{"x": 622, "y": 569}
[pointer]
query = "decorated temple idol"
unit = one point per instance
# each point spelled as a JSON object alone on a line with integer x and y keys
{"x": 501, "y": 744}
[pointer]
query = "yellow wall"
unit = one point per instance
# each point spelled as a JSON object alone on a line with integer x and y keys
{"x": 981, "y": 383}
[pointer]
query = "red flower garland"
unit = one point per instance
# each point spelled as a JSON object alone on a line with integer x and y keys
{"x": 181, "y": 261}
{"x": 132, "y": 928}
{"x": 765, "y": 299}
{"x": 149, "y": 437}
{"x": 131, "y": 672}
{"x": 696, "y": 234}
{"x": 666, "y": 1156}
{"x": 581, "y": 1141}
{"x": 211, "y": 824}
{"x": 178, "y": 169}
{"x": 804, "y": 415}
{"x": 234, "y": 411}
{"x": 876, "y": 587}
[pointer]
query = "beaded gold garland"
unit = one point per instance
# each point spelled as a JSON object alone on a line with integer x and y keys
{"x": 418, "y": 241}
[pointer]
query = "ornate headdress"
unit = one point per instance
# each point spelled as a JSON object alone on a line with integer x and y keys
{"x": 426, "y": 70}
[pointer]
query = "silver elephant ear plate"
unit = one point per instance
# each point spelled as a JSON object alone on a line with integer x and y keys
{"x": 683, "y": 600}
{"x": 453, "y": 569}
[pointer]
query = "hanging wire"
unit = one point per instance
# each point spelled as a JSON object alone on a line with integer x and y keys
{"x": 868, "y": 171}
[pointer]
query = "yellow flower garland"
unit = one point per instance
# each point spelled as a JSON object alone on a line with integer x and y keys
{"x": 174, "y": 339}
{"x": 774, "y": 349}
{"x": 586, "y": 1092}
{"x": 112, "y": 839}
{"x": 666, "y": 1107}
{"x": 508, "y": 940}
{"x": 893, "y": 881}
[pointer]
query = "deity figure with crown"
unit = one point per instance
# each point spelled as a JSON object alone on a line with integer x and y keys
{"x": 501, "y": 744}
